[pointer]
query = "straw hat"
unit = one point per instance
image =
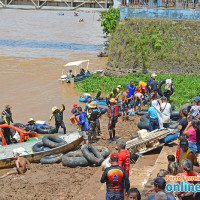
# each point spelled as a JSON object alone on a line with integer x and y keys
{"x": 31, "y": 120}
{"x": 153, "y": 75}
{"x": 113, "y": 100}
{"x": 92, "y": 104}
{"x": 54, "y": 108}
{"x": 119, "y": 86}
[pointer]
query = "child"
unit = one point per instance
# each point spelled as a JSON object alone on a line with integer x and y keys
{"x": 194, "y": 111}
{"x": 178, "y": 147}
{"x": 171, "y": 158}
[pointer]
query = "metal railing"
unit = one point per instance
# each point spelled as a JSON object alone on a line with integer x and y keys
{"x": 175, "y": 4}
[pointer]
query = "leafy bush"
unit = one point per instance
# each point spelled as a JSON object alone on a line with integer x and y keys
{"x": 186, "y": 86}
{"x": 110, "y": 20}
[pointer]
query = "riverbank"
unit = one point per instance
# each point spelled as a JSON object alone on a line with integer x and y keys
{"x": 58, "y": 182}
{"x": 186, "y": 86}
{"x": 154, "y": 45}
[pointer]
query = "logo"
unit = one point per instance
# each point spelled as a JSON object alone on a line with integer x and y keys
{"x": 115, "y": 177}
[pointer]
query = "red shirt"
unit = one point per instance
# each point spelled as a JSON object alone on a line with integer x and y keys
{"x": 124, "y": 160}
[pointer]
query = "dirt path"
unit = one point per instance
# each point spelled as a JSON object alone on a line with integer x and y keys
{"x": 59, "y": 182}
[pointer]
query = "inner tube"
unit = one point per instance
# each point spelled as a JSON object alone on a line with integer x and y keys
{"x": 105, "y": 152}
{"x": 144, "y": 118}
{"x": 103, "y": 110}
{"x": 160, "y": 87}
{"x": 92, "y": 154}
{"x": 175, "y": 114}
{"x": 45, "y": 129}
{"x": 38, "y": 147}
{"x": 143, "y": 125}
{"x": 52, "y": 141}
{"x": 140, "y": 112}
{"x": 74, "y": 159}
{"x": 20, "y": 125}
{"x": 56, "y": 158}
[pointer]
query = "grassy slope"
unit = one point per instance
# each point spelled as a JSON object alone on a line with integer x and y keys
{"x": 162, "y": 45}
{"x": 186, "y": 86}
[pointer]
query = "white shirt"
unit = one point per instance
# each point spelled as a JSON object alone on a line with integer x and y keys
{"x": 169, "y": 84}
{"x": 165, "y": 110}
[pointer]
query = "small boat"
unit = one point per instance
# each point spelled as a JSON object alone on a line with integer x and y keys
{"x": 84, "y": 73}
{"x": 153, "y": 140}
{"x": 102, "y": 55}
{"x": 6, "y": 152}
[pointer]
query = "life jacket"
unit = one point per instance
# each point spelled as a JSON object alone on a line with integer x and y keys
{"x": 116, "y": 111}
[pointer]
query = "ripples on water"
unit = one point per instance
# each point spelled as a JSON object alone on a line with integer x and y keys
{"x": 34, "y": 46}
{"x": 50, "y": 45}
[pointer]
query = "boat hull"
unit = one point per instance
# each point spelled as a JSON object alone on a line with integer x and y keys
{"x": 36, "y": 157}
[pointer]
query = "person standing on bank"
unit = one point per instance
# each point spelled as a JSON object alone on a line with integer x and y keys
{"x": 116, "y": 179}
{"x": 7, "y": 116}
{"x": 166, "y": 110}
{"x": 112, "y": 113}
{"x": 85, "y": 126}
{"x": 58, "y": 114}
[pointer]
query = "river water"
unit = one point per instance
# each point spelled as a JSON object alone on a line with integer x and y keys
{"x": 34, "y": 45}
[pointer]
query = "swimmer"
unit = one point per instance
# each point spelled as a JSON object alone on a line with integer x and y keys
{"x": 22, "y": 165}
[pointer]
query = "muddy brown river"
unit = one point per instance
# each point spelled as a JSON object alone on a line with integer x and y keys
{"x": 34, "y": 46}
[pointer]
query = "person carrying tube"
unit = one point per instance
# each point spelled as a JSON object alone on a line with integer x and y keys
{"x": 112, "y": 113}
{"x": 58, "y": 114}
{"x": 7, "y": 116}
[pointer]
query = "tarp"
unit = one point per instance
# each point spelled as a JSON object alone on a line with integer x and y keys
{"x": 76, "y": 63}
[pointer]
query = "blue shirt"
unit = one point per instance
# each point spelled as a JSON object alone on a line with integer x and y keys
{"x": 169, "y": 197}
{"x": 85, "y": 126}
{"x": 131, "y": 90}
{"x": 149, "y": 81}
{"x": 152, "y": 113}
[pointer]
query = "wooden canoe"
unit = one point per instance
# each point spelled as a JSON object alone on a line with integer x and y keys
{"x": 6, "y": 152}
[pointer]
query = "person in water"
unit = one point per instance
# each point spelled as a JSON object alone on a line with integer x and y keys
{"x": 58, "y": 114}
{"x": 22, "y": 165}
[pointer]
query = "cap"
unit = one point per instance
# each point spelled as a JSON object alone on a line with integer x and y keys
{"x": 75, "y": 105}
{"x": 114, "y": 155}
{"x": 197, "y": 98}
{"x": 153, "y": 75}
{"x": 160, "y": 182}
{"x": 184, "y": 143}
{"x": 163, "y": 98}
{"x": 119, "y": 86}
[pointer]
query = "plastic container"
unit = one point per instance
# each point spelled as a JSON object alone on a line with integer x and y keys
{"x": 39, "y": 122}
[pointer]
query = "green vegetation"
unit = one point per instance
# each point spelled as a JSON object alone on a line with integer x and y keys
{"x": 186, "y": 86}
{"x": 154, "y": 45}
{"x": 110, "y": 20}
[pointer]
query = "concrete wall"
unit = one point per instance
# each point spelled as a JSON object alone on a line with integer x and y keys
{"x": 159, "y": 13}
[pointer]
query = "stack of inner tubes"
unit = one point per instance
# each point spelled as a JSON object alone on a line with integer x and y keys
{"x": 42, "y": 129}
{"x": 48, "y": 142}
{"x": 88, "y": 155}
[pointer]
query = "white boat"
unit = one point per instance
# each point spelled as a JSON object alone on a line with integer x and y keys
{"x": 79, "y": 65}
{"x": 6, "y": 152}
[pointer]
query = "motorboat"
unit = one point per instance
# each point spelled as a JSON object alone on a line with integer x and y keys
{"x": 83, "y": 65}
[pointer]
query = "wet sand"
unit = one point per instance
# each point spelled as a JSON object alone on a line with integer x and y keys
{"x": 59, "y": 182}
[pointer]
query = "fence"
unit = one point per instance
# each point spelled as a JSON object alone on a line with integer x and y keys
{"x": 179, "y": 4}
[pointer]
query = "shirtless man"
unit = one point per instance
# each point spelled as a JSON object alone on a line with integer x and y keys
{"x": 138, "y": 102}
{"x": 125, "y": 99}
{"x": 22, "y": 164}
